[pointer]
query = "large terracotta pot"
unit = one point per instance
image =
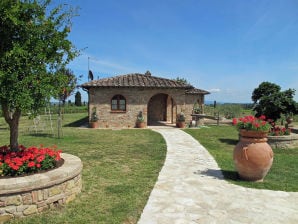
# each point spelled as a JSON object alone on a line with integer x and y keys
{"x": 180, "y": 124}
{"x": 253, "y": 156}
{"x": 93, "y": 124}
{"x": 140, "y": 125}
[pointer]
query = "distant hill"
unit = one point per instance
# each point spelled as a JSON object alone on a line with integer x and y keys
{"x": 210, "y": 102}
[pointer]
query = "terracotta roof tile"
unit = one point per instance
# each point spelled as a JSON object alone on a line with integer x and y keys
{"x": 196, "y": 91}
{"x": 140, "y": 80}
{"x": 136, "y": 80}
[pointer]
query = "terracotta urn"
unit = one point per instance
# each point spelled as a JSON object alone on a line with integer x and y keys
{"x": 140, "y": 124}
{"x": 94, "y": 124}
{"x": 180, "y": 124}
{"x": 253, "y": 156}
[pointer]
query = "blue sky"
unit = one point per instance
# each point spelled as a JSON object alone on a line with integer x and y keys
{"x": 227, "y": 47}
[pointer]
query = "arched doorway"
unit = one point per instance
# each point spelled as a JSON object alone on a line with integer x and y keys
{"x": 161, "y": 108}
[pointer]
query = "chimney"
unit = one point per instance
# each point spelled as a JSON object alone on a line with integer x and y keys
{"x": 148, "y": 73}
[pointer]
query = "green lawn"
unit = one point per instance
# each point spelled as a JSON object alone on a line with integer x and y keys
{"x": 220, "y": 142}
{"x": 120, "y": 170}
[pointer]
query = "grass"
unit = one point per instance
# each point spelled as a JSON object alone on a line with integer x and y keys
{"x": 120, "y": 170}
{"x": 220, "y": 142}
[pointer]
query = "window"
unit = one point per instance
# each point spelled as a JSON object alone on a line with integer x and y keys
{"x": 118, "y": 103}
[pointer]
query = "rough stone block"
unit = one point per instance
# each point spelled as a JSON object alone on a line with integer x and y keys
{"x": 13, "y": 200}
{"x": 32, "y": 209}
{"x": 55, "y": 198}
{"x": 5, "y": 218}
{"x": 43, "y": 208}
{"x": 39, "y": 195}
{"x": 21, "y": 208}
{"x": 54, "y": 191}
{"x": 10, "y": 209}
{"x": 27, "y": 198}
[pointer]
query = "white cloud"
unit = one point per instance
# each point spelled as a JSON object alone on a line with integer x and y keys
{"x": 215, "y": 90}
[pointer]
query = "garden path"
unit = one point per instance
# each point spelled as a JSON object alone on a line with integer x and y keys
{"x": 191, "y": 189}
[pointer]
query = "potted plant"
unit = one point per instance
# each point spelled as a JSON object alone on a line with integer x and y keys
{"x": 94, "y": 119}
{"x": 140, "y": 120}
{"x": 180, "y": 123}
{"x": 252, "y": 155}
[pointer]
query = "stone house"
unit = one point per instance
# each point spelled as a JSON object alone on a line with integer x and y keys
{"x": 118, "y": 100}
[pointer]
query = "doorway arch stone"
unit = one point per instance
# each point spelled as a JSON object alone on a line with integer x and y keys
{"x": 161, "y": 108}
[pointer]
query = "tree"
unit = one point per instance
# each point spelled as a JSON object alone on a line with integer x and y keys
{"x": 78, "y": 99}
{"x": 181, "y": 81}
{"x": 270, "y": 101}
{"x": 33, "y": 47}
{"x": 69, "y": 82}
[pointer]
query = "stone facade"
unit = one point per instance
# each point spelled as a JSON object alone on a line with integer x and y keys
{"x": 159, "y": 99}
{"x": 155, "y": 104}
{"x": 24, "y": 196}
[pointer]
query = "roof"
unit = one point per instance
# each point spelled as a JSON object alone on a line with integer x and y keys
{"x": 137, "y": 80}
{"x": 195, "y": 91}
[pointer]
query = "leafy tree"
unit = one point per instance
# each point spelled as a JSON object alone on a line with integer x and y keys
{"x": 182, "y": 81}
{"x": 33, "y": 47}
{"x": 78, "y": 99}
{"x": 69, "y": 82}
{"x": 270, "y": 101}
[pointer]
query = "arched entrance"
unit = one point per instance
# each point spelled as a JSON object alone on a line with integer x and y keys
{"x": 161, "y": 108}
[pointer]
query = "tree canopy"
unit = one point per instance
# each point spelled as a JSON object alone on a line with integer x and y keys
{"x": 33, "y": 47}
{"x": 78, "y": 99}
{"x": 69, "y": 84}
{"x": 182, "y": 80}
{"x": 270, "y": 101}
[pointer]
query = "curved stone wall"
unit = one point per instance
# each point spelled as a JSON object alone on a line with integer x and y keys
{"x": 283, "y": 142}
{"x": 23, "y": 196}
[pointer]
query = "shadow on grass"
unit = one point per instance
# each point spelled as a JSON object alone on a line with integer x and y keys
{"x": 219, "y": 174}
{"x": 229, "y": 141}
{"x": 77, "y": 123}
{"x": 44, "y": 135}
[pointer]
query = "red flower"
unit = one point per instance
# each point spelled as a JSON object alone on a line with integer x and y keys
{"x": 40, "y": 158}
{"x": 31, "y": 164}
{"x": 262, "y": 117}
{"x": 17, "y": 162}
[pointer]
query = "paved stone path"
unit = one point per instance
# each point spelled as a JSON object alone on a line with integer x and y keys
{"x": 190, "y": 189}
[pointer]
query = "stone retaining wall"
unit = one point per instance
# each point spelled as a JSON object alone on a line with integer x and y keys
{"x": 23, "y": 196}
{"x": 283, "y": 142}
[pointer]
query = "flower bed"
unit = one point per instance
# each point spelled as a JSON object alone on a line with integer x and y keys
{"x": 32, "y": 194}
{"x": 27, "y": 160}
{"x": 284, "y": 141}
{"x": 279, "y": 131}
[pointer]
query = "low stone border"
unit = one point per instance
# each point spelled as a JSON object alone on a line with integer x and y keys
{"x": 283, "y": 142}
{"x": 23, "y": 196}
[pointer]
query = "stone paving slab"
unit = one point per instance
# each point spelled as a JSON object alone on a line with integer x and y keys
{"x": 191, "y": 189}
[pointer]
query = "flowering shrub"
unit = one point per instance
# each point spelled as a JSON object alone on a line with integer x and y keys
{"x": 252, "y": 123}
{"x": 278, "y": 131}
{"x": 27, "y": 160}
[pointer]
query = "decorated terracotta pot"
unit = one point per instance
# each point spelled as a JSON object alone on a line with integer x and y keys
{"x": 180, "y": 124}
{"x": 140, "y": 125}
{"x": 253, "y": 156}
{"x": 93, "y": 124}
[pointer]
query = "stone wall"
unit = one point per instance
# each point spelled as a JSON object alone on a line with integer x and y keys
{"x": 24, "y": 196}
{"x": 137, "y": 100}
{"x": 283, "y": 142}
